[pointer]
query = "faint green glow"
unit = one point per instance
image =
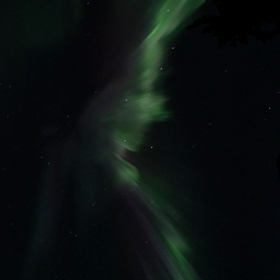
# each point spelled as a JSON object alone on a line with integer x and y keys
{"x": 143, "y": 104}
{"x": 128, "y": 174}
{"x": 42, "y": 24}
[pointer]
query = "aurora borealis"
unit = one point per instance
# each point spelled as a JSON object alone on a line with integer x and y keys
{"x": 112, "y": 127}
{"x": 136, "y": 147}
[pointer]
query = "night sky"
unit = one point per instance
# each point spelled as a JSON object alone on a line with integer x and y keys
{"x": 217, "y": 152}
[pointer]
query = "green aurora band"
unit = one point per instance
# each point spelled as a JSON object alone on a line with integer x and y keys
{"x": 143, "y": 104}
{"x": 112, "y": 126}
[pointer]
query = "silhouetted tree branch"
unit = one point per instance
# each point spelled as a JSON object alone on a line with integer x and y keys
{"x": 236, "y": 20}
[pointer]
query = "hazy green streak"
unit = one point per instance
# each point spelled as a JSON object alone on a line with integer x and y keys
{"x": 143, "y": 104}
